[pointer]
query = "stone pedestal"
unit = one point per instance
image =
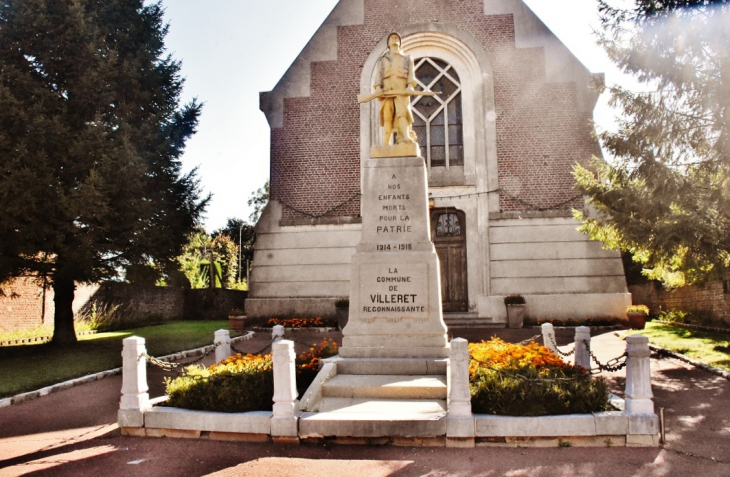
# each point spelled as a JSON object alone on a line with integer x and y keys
{"x": 395, "y": 291}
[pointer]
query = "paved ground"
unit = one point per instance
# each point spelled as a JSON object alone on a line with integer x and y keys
{"x": 74, "y": 433}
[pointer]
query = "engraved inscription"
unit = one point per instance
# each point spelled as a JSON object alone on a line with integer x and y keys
{"x": 394, "y": 292}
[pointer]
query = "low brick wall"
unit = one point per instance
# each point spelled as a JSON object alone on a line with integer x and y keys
{"x": 206, "y": 304}
{"x": 25, "y": 305}
{"x": 710, "y": 299}
{"x": 28, "y": 306}
{"x": 166, "y": 302}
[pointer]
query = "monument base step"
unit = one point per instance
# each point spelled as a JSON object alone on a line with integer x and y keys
{"x": 470, "y": 320}
{"x": 394, "y": 352}
{"x": 401, "y": 366}
{"x": 362, "y": 417}
{"x": 378, "y": 386}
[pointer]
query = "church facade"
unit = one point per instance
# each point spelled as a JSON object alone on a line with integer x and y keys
{"x": 499, "y": 142}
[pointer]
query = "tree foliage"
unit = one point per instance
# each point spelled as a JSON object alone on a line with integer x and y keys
{"x": 258, "y": 201}
{"x": 665, "y": 196}
{"x": 91, "y": 134}
{"x": 236, "y": 229}
{"x": 201, "y": 248}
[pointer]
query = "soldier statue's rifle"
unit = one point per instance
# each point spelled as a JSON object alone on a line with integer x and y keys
{"x": 364, "y": 98}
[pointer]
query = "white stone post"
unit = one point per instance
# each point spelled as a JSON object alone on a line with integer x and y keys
{"x": 460, "y": 424}
{"x": 286, "y": 406}
{"x": 277, "y": 332}
{"x": 638, "y": 376}
{"x": 548, "y": 337}
{"x": 582, "y": 347}
{"x": 135, "y": 399}
{"x": 222, "y": 342}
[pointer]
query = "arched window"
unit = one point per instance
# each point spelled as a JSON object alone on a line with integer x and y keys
{"x": 437, "y": 119}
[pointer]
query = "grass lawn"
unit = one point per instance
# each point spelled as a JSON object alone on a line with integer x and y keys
{"x": 33, "y": 366}
{"x": 710, "y": 348}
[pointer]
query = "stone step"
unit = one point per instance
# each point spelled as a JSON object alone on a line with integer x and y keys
{"x": 396, "y": 409}
{"x": 385, "y": 386}
{"x": 402, "y": 366}
{"x": 375, "y": 418}
{"x": 471, "y": 325}
{"x": 466, "y": 320}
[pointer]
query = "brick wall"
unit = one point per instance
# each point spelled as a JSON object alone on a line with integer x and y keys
{"x": 709, "y": 299}
{"x": 540, "y": 131}
{"x": 166, "y": 302}
{"x": 22, "y": 306}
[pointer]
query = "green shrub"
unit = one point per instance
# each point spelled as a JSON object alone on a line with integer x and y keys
{"x": 529, "y": 391}
{"x": 238, "y": 384}
{"x": 694, "y": 317}
{"x": 530, "y": 380}
{"x": 638, "y": 309}
{"x": 241, "y": 383}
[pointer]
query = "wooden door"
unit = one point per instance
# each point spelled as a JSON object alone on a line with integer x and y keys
{"x": 448, "y": 232}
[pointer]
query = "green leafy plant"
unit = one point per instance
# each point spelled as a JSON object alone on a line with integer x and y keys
{"x": 514, "y": 300}
{"x": 638, "y": 309}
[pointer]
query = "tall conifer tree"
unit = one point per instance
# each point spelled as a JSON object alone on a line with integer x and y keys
{"x": 665, "y": 195}
{"x": 91, "y": 134}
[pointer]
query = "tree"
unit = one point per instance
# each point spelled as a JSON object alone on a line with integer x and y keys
{"x": 258, "y": 201}
{"x": 665, "y": 197}
{"x": 236, "y": 229}
{"x": 91, "y": 134}
{"x": 201, "y": 248}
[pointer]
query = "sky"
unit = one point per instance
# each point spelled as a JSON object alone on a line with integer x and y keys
{"x": 233, "y": 49}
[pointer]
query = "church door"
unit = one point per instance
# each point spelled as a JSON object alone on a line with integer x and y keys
{"x": 448, "y": 232}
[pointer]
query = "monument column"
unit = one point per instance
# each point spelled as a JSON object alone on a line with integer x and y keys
{"x": 395, "y": 288}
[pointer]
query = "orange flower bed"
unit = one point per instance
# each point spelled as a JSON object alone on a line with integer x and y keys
{"x": 238, "y": 363}
{"x": 499, "y": 354}
{"x": 306, "y": 361}
{"x": 300, "y": 322}
{"x": 309, "y": 360}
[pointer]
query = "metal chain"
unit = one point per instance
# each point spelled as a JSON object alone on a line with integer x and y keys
{"x": 233, "y": 348}
{"x": 169, "y": 365}
{"x": 555, "y": 347}
{"x": 612, "y": 365}
{"x": 529, "y": 340}
{"x": 308, "y": 345}
{"x": 525, "y": 378}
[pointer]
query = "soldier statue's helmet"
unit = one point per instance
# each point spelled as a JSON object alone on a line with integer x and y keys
{"x": 400, "y": 40}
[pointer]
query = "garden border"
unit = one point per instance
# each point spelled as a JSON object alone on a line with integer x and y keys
{"x": 697, "y": 364}
{"x": 692, "y": 326}
{"x": 635, "y": 424}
